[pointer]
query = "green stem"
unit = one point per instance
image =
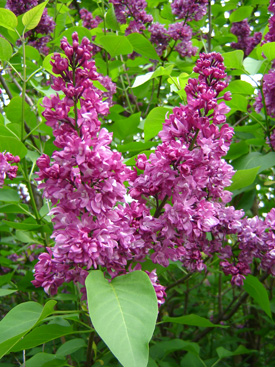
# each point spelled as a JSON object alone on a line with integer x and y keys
{"x": 191, "y": 146}
{"x": 23, "y": 88}
{"x": 126, "y": 94}
{"x": 160, "y": 207}
{"x": 30, "y": 190}
{"x": 210, "y": 27}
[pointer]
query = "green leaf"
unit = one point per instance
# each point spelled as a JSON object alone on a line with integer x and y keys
{"x": 252, "y": 66}
{"x": 9, "y": 195}
{"x": 240, "y": 14}
{"x": 192, "y": 320}
{"x": 163, "y": 348}
{"x": 14, "y": 112}
{"x": 70, "y": 346}
{"x": 19, "y": 321}
{"x": 5, "y": 50}
{"x": 154, "y": 121}
{"x": 191, "y": 360}
{"x": 111, "y": 21}
{"x": 243, "y": 178}
{"x": 255, "y": 159}
{"x": 238, "y": 102}
{"x": 123, "y": 322}
{"x": 32, "y": 17}
{"x": 224, "y": 353}
{"x": 237, "y": 150}
{"x": 6, "y": 292}
{"x": 240, "y": 87}
{"x": 115, "y": 45}
{"x": 45, "y": 360}
{"x": 8, "y": 19}
{"x": 160, "y": 71}
{"x": 41, "y": 335}
{"x": 142, "y": 46}
{"x": 233, "y": 59}
{"x": 257, "y": 291}
{"x": 124, "y": 129}
{"x": 13, "y": 146}
{"x": 269, "y": 50}
{"x": 23, "y": 225}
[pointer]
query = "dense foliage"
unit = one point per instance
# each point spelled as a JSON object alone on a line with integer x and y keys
{"x": 137, "y": 155}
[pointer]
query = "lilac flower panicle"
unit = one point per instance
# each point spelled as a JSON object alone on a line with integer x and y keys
{"x": 88, "y": 20}
{"x": 189, "y": 9}
{"x": 268, "y": 92}
{"x": 245, "y": 42}
{"x": 84, "y": 180}
{"x": 6, "y": 167}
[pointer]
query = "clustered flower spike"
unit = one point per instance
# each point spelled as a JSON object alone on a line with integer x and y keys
{"x": 187, "y": 177}
{"x": 45, "y": 27}
{"x": 84, "y": 180}
{"x": 181, "y": 32}
{"x": 189, "y": 9}
{"x": 88, "y": 20}
{"x": 245, "y": 42}
{"x": 6, "y": 168}
{"x": 270, "y": 35}
{"x": 134, "y": 9}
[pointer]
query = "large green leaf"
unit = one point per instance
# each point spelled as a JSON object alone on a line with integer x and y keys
{"x": 233, "y": 59}
{"x": 257, "y": 291}
{"x": 142, "y": 46}
{"x": 191, "y": 360}
{"x": 241, "y": 13}
{"x": 163, "y": 348}
{"x": 8, "y": 19}
{"x": 41, "y": 335}
{"x": 224, "y": 353}
{"x": 240, "y": 87}
{"x": 154, "y": 121}
{"x": 237, "y": 150}
{"x": 70, "y": 346}
{"x": 243, "y": 178}
{"x": 13, "y": 146}
{"x": 125, "y": 128}
{"x": 255, "y": 159}
{"x": 19, "y": 321}
{"x": 9, "y": 195}
{"x": 124, "y": 313}
{"x": 115, "y": 45}
{"x": 6, "y": 292}
{"x": 46, "y": 360}
{"x": 5, "y": 49}
{"x": 160, "y": 71}
{"x": 32, "y": 17}
{"x": 269, "y": 50}
{"x": 111, "y": 21}
{"x": 192, "y": 320}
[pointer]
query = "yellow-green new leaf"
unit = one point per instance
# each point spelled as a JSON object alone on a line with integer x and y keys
{"x": 32, "y": 17}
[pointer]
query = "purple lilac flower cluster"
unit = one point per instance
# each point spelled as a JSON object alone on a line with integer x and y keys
{"x": 186, "y": 177}
{"x": 134, "y": 9}
{"x": 189, "y": 9}
{"x": 181, "y": 32}
{"x": 245, "y": 42}
{"x": 6, "y": 168}
{"x": 84, "y": 180}
{"x": 88, "y": 21}
{"x": 270, "y": 35}
{"x": 45, "y": 27}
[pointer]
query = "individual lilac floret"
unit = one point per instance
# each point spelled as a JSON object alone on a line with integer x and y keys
{"x": 88, "y": 20}
{"x": 245, "y": 42}
{"x": 189, "y": 9}
{"x": 6, "y": 168}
